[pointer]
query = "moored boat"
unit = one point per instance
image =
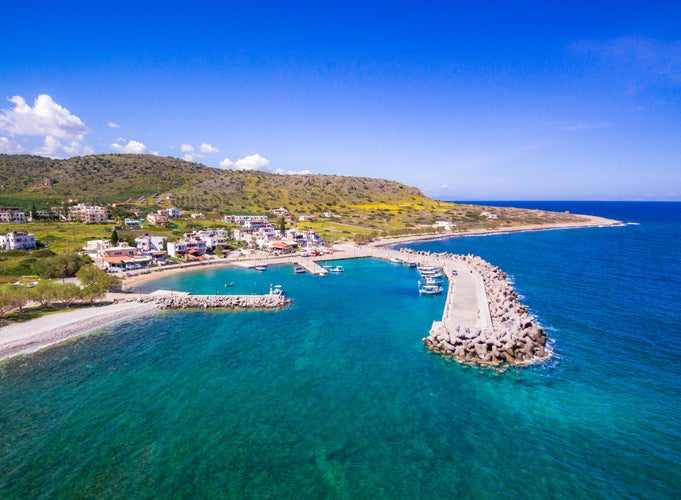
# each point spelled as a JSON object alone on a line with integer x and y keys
{"x": 430, "y": 281}
{"x": 299, "y": 270}
{"x": 430, "y": 289}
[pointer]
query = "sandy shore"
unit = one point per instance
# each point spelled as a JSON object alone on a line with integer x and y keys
{"x": 48, "y": 330}
{"x": 39, "y": 333}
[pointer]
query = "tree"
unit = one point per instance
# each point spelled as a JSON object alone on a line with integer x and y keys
{"x": 44, "y": 293}
{"x": 63, "y": 265}
{"x": 6, "y": 301}
{"x": 114, "y": 237}
{"x": 96, "y": 282}
{"x": 68, "y": 294}
{"x": 12, "y": 298}
{"x": 282, "y": 226}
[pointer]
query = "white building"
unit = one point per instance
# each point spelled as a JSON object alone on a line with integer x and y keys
{"x": 174, "y": 213}
{"x": 489, "y": 215}
{"x": 445, "y": 224}
{"x": 189, "y": 245}
{"x": 148, "y": 243}
{"x": 242, "y": 220}
{"x": 95, "y": 248}
{"x": 12, "y": 215}
{"x": 303, "y": 238}
{"x": 88, "y": 214}
{"x": 17, "y": 240}
{"x": 213, "y": 237}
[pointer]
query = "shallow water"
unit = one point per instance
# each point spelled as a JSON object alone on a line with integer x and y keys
{"x": 336, "y": 397}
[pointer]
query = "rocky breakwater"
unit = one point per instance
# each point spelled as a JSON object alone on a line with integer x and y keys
{"x": 217, "y": 301}
{"x": 515, "y": 337}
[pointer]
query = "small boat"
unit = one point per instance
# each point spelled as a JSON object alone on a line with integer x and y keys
{"x": 299, "y": 270}
{"x": 432, "y": 274}
{"x": 337, "y": 269}
{"x": 261, "y": 268}
{"x": 430, "y": 289}
{"x": 430, "y": 281}
{"x": 410, "y": 264}
{"x": 396, "y": 260}
{"x": 276, "y": 290}
{"x": 231, "y": 283}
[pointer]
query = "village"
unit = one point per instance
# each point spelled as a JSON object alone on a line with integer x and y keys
{"x": 234, "y": 235}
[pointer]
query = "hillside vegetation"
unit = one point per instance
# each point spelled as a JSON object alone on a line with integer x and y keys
{"x": 149, "y": 182}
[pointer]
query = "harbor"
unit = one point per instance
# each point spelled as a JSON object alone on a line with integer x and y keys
{"x": 482, "y": 322}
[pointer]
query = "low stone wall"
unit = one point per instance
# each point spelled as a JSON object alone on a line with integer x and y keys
{"x": 216, "y": 301}
{"x": 515, "y": 338}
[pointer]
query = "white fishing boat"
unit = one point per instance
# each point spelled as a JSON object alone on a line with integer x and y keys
{"x": 430, "y": 289}
{"x": 430, "y": 281}
{"x": 261, "y": 268}
{"x": 336, "y": 269}
{"x": 396, "y": 260}
{"x": 436, "y": 273}
{"x": 276, "y": 290}
{"x": 299, "y": 270}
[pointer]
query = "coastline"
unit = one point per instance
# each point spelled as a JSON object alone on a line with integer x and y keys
{"x": 39, "y": 333}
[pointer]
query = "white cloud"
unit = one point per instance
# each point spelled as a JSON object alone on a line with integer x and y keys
{"x": 46, "y": 118}
{"x": 188, "y": 157}
{"x": 54, "y": 148}
{"x": 113, "y": 125}
{"x": 62, "y": 131}
{"x": 134, "y": 147}
{"x": 208, "y": 148}
{"x": 10, "y": 146}
{"x": 251, "y": 162}
{"x": 187, "y": 148}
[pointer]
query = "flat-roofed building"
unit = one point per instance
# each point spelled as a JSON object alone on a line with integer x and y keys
{"x": 12, "y": 215}
{"x": 17, "y": 240}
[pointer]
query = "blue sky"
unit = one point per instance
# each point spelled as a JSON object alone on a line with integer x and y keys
{"x": 464, "y": 100}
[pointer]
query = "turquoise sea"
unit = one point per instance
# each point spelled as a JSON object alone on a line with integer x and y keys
{"x": 335, "y": 397}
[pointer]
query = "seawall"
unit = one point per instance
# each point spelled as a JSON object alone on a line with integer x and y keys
{"x": 215, "y": 301}
{"x": 504, "y": 334}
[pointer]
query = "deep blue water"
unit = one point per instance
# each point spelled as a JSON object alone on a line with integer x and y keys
{"x": 335, "y": 397}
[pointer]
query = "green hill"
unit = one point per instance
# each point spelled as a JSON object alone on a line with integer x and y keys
{"x": 148, "y": 182}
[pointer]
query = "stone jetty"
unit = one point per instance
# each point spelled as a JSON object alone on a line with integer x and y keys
{"x": 178, "y": 301}
{"x": 513, "y": 338}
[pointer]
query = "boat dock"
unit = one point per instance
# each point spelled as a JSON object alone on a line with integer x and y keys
{"x": 466, "y": 303}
